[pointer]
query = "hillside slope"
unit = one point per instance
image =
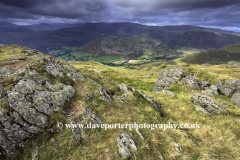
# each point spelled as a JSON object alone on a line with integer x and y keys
{"x": 217, "y": 56}
{"x": 201, "y": 39}
{"x": 40, "y": 95}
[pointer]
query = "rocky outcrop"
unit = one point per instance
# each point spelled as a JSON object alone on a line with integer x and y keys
{"x": 121, "y": 98}
{"x": 229, "y": 87}
{"x": 191, "y": 82}
{"x": 57, "y": 68}
{"x": 104, "y": 95}
{"x": 208, "y": 89}
{"x": 124, "y": 87}
{"x": 76, "y": 130}
{"x": 94, "y": 117}
{"x": 30, "y": 109}
{"x": 2, "y": 45}
{"x": 154, "y": 103}
{"x": 207, "y": 105}
{"x": 205, "y": 84}
{"x": 177, "y": 147}
{"x": 30, "y": 103}
{"x": 169, "y": 76}
{"x": 94, "y": 81}
{"x": 236, "y": 98}
{"x": 1, "y": 91}
{"x": 12, "y": 58}
{"x": 140, "y": 134}
{"x": 166, "y": 92}
{"x": 105, "y": 78}
{"x": 233, "y": 64}
{"x": 125, "y": 142}
{"x": 35, "y": 153}
{"x": 209, "y": 92}
{"x": 5, "y": 72}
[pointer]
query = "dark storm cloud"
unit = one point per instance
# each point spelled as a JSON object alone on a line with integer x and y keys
{"x": 21, "y": 3}
{"x": 220, "y": 13}
{"x": 25, "y": 3}
{"x": 50, "y": 8}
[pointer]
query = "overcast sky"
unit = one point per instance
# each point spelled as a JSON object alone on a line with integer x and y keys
{"x": 223, "y": 14}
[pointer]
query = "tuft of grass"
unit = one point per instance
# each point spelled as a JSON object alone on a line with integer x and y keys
{"x": 205, "y": 76}
{"x": 222, "y": 97}
{"x": 190, "y": 70}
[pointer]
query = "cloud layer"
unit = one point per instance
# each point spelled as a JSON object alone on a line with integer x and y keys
{"x": 209, "y": 13}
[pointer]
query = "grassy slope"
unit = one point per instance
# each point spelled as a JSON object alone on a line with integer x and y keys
{"x": 235, "y": 48}
{"x": 218, "y": 137}
{"x": 217, "y": 56}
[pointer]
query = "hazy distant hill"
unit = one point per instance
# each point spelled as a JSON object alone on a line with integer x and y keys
{"x": 50, "y": 27}
{"x": 12, "y": 29}
{"x": 6, "y": 24}
{"x": 9, "y": 27}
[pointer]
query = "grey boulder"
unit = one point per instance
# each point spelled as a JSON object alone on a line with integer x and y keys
{"x": 236, "y": 98}
{"x": 105, "y": 96}
{"x": 229, "y": 87}
{"x": 207, "y": 105}
{"x": 125, "y": 142}
{"x": 169, "y": 76}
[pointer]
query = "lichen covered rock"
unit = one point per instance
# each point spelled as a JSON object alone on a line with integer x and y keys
{"x": 96, "y": 119}
{"x": 193, "y": 82}
{"x": 76, "y": 130}
{"x": 208, "y": 92}
{"x": 5, "y": 72}
{"x": 125, "y": 142}
{"x": 121, "y": 98}
{"x": 57, "y": 68}
{"x": 169, "y": 76}
{"x": 229, "y": 87}
{"x": 207, "y": 105}
{"x": 19, "y": 103}
{"x": 170, "y": 93}
{"x": 35, "y": 153}
{"x": 49, "y": 102}
{"x": 30, "y": 104}
{"x": 154, "y": 103}
{"x": 94, "y": 116}
{"x": 124, "y": 87}
{"x": 236, "y": 98}
{"x": 104, "y": 95}
{"x": 1, "y": 91}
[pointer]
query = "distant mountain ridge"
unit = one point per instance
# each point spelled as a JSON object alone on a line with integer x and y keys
{"x": 50, "y": 27}
{"x": 39, "y": 27}
{"x": 79, "y": 36}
